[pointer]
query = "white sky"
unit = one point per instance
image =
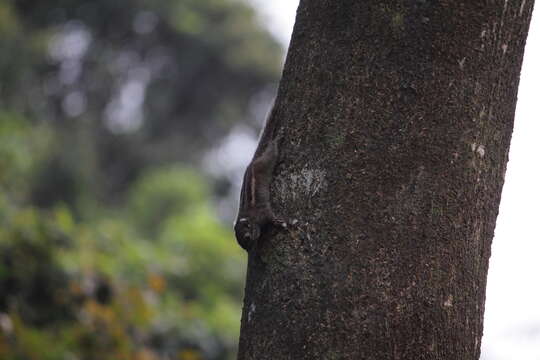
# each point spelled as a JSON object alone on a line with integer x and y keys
{"x": 512, "y": 321}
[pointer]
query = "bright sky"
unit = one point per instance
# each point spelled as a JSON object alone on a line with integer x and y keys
{"x": 512, "y": 321}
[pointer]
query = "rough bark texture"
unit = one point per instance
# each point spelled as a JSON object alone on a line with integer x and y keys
{"x": 398, "y": 118}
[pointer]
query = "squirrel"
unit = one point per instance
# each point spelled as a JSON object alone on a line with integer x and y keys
{"x": 255, "y": 212}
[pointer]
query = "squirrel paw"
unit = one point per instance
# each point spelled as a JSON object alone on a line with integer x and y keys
{"x": 279, "y": 223}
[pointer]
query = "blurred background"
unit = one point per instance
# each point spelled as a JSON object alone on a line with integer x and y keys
{"x": 125, "y": 127}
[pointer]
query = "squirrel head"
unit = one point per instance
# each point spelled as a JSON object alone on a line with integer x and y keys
{"x": 247, "y": 232}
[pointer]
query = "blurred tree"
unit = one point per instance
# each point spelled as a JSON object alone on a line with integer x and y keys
{"x": 109, "y": 245}
{"x": 131, "y": 83}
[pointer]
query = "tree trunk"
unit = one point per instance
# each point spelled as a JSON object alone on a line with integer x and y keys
{"x": 398, "y": 117}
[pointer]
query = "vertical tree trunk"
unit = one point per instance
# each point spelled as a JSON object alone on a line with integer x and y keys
{"x": 398, "y": 119}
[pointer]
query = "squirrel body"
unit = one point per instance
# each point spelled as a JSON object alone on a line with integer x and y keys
{"x": 255, "y": 213}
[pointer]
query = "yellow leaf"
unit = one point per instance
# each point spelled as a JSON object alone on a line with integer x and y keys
{"x": 157, "y": 283}
{"x": 189, "y": 355}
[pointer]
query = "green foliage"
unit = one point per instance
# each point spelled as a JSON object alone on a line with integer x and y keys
{"x": 109, "y": 245}
{"x": 9, "y": 24}
{"x": 132, "y": 83}
{"x": 159, "y": 193}
{"x": 22, "y": 147}
{"x": 101, "y": 289}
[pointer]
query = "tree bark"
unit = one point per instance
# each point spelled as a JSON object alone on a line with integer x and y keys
{"x": 398, "y": 117}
